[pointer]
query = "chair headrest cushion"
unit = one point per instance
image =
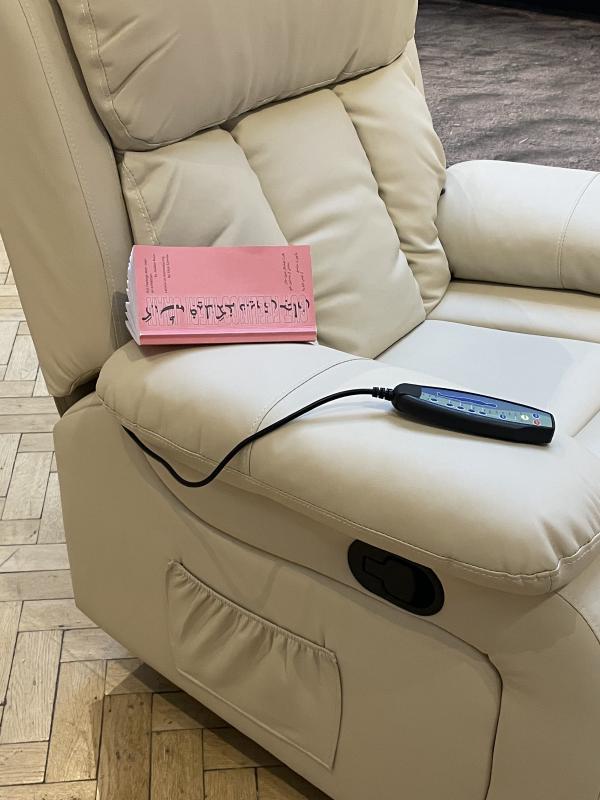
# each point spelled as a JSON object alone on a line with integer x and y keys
{"x": 158, "y": 72}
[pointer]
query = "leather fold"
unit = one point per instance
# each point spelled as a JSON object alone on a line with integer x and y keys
{"x": 289, "y": 685}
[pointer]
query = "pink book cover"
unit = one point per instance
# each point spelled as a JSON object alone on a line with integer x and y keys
{"x": 217, "y": 295}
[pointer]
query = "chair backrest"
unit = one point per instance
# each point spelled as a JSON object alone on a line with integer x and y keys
{"x": 215, "y": 122}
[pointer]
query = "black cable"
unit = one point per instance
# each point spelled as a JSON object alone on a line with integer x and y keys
{"x": 383, "y": 394}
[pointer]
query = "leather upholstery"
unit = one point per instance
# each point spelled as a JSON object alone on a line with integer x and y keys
{"x": 321, "y": 170}
{"x": 498, "y": 689}
{"x": 394, "y": 267}
{"x": 304, "y": 708}
{"x": 62, "y": 214}
{"x": 413, "y": 694}
{"x": 188, "y": 404}
{"x": 565, "y": 315}
{"x": 522, "y": 224}
{"x": 202, "y": 63}
{"x": 561, "y": 375}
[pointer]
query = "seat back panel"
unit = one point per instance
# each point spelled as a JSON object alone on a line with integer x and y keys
{"x": 201, "y": 191}
{"x": 353, "y": 169}
{"x": 394, "y": 125}
{"x": 355, "y": 172}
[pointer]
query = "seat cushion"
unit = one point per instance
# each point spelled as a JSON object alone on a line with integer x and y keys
{"x": 560, "y": 315}
{"x": 557, "y": 374}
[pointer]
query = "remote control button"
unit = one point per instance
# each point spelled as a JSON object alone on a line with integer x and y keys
{"x": 535, "y": 415}
{"x": 525, "y": 417}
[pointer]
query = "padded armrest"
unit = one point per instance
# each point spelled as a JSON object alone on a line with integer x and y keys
{"x": 522, "y": 224}
{"x": 520, "y": 518}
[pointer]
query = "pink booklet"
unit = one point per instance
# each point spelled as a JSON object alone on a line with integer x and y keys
{"x": 215, "y": 295}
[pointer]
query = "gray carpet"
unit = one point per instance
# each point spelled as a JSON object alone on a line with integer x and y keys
{"x": 510, "y": 84}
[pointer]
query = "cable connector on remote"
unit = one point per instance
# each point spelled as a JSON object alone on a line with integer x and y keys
{"x": 382, "y": 393}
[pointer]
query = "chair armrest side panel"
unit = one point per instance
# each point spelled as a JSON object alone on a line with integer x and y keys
{"x": 62, "y": 214}
{"x": 519, "y": 518}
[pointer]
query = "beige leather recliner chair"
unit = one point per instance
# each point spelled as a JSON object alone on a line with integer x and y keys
{"x": 221, "y": 122}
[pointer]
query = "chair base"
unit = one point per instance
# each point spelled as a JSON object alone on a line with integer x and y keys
{"x": 418, "y": 708}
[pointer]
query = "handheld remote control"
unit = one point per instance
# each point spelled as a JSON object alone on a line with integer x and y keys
{"x": 475, "y": 413}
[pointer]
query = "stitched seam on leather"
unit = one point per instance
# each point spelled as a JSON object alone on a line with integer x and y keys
{"x": 273, "y": 98}
{"x": 380, "y": 194}
{"x": 497, "y": 728}
{"x": 276, "y": 97}
{"x": 141, "y": 203}
{"x": 294, "y": 93}
{"x": 563, "y": 236}
{"x": 489, "y": 326}
{"x": 168, "y": 443}
{"x": 586, "y": 423}
{"x": 258, "y": 181}
{"x": 78, "y": 174}
{"x": 580, "y": 612}
{"x": 405, "y": 247}
{"x": 257, "y": 424}
{"x": 105, "y": 87}
{"x": 544, "y": 576}
{"x": 535, "y": 577}
{"x": 161, "y": 440}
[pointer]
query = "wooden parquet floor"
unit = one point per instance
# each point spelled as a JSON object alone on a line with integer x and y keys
{"x": 80, "y": 718}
